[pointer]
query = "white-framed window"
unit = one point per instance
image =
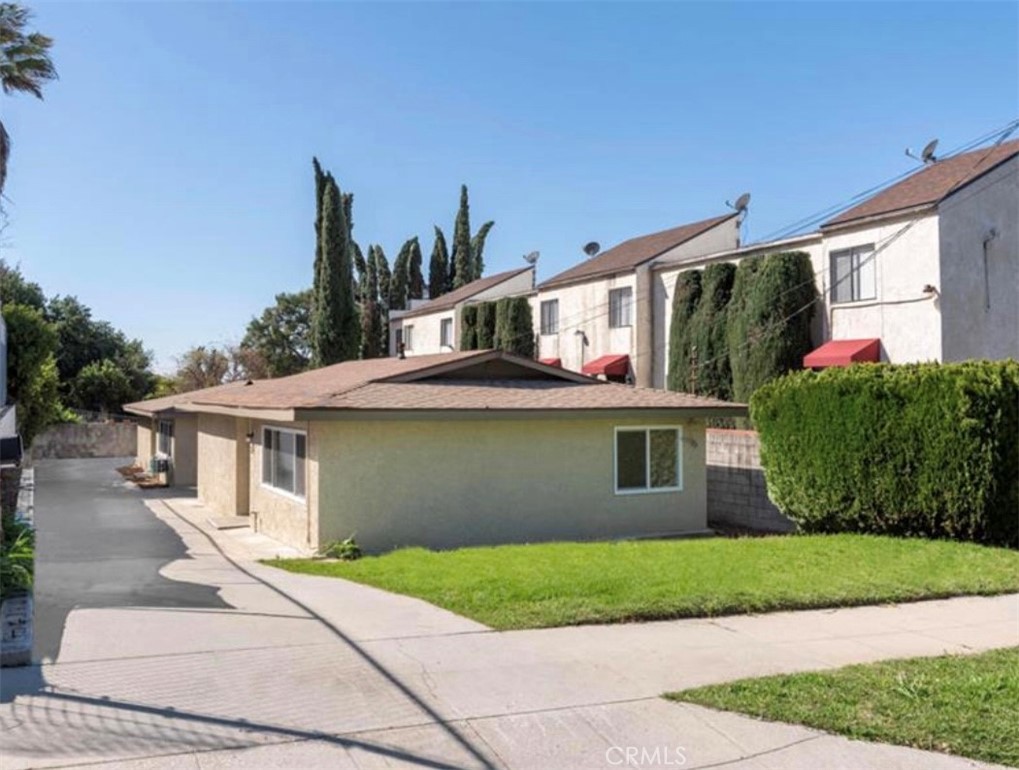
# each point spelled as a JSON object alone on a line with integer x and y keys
{"x": 283, "y": 459}
{"x": 620, "y": 307}
{"x": 550, "y": 316}
{"x": 446, "y": 332}
{"x": 408, "y": 337}
{"x": 164, "y": 438}
{"x": 649, "y": 459}
{"x": 853, "y": 274}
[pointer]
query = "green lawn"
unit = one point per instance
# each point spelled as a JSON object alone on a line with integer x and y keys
{"x": 558, "y": 584}
{"x": 966, "y": 705}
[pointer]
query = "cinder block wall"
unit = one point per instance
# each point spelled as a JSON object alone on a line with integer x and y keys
{"x": 91, "y": 439}
{"x": 737, "y": 495}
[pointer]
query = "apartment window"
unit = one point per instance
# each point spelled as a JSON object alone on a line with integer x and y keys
{"x": 853, "y": 276}
{"x": 550, "y": 316}
{"x": 620, "y": 307}
{"x": 283, "y": 457}
{"x": 446, "y": 332}
{"x": 164, "y": 439}
{"x": 648, "y": 460}
{"x": 408, "y": 337}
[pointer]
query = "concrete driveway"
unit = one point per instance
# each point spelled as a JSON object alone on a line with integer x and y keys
{"x": 241, "y": 665}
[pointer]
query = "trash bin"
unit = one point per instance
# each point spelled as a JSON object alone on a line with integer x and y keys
{"x": 162, "y": 470}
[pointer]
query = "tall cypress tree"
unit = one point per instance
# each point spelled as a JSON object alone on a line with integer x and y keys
{"x": 399, "y": 286}
{"x": 335, "y": 328}
{"x": 478, "y": 249}
{"x": 685, "y": 300}
{"x": 712, "y": 376}
{"x": 462, "y": 261}
{"x": 415, "y": 280}
{"x": 371, "y": 312}
{"x": 361, "y": 270}
{"x": 384, "y": 278}
{"x": 320, "y": 188}
{"x": 438, "y": 267}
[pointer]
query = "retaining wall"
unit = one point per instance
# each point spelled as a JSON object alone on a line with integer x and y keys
{"x": 90, "y": 439}
{"x": 737, "y": 494}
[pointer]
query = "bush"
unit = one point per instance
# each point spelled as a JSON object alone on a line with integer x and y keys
{"x": 469, "y": 327}
{"x": 486, "y": 325}
{"x": 769, "y": 315}
{"x": 17, "y": 557}
{"x": 344, "y": 550}
{"x": 685, "y": 300}
{"x": 707, "y": 329}
{"x": 918, "y": 449}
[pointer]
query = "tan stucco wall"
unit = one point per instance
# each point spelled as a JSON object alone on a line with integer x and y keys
{"x": 276, "y": 514}
{"x": 447, "y": 483}
{"x": 223, "y": 456}
{"x": 185, "y": 450}
{"x": 146, "y": 447}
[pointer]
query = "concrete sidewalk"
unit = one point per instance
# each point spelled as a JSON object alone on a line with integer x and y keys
{"x": 303, "y": 671}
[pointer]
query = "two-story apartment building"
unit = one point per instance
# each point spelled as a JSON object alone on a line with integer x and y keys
{"x": 432, "y": 326}
{"x": 596, "y": 317}
{"x": 926, "y": 270}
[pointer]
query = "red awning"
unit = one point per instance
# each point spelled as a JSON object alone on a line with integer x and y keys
{"x": 610, "y": 366}
{"x": 551, "y": 362}
{"x": 843, "y": 353}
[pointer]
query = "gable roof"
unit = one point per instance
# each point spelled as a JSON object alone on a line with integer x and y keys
{"x": 628, "y": 254}
{"x": 466, "y": 380}
{"x": 451, "y": 299}
{"x": 166, "y": 404}
{"x": 931, "y": 184}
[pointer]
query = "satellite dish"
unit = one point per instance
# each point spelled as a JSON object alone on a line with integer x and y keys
{"x": 927, "y": 156}
{"x": 532, "y": 257}
{"x": 592, "y": 248}
{"x": 741, "y": 203}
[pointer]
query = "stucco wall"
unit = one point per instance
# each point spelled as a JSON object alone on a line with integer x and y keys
{"x": 145, "y": 438}
{"x": 980, "y": 304}
{"x": 184, "y": 450}
{"x": 223, "y": 457}
{"x": 276, "y": 514}
{"x": 89, "y": 439}
{"x": 907, "y": 321}
{"x": 448, "y": 483}
{"x": 584, "y": 307}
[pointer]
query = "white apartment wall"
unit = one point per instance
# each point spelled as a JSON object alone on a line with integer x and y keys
{"x": 907, "y": 320}
{"x": 426, "y": 334}
{"x": 980, "y": 307}
{"x": 664, "y": 286}
{"x": 584, "y": 306}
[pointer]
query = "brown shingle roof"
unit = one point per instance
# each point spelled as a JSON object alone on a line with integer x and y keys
{"x": 931, "y": 184}
{"x": 449, "y": 300}
{"x": 514, "y": 395}
{"x": 167, "y": 403}
{"x": 633, "y": 252}
{"x": 446, "y": 381}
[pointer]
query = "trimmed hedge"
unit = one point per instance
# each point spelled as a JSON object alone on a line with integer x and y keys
{"x": 504, "y": 324}
{"x": 708, "y": 328}
{"x": 927, "y": 450}
{"x": 469, "y": 327}
{"x": 684, "y": 304}
{"x": 486, "y": 325}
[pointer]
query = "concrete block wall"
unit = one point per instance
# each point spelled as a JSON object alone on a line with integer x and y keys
{"x": 737, "y": 494}
{"x": 88, "y": 439}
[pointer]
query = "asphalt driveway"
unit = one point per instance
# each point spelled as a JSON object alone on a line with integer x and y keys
{"x": 99, "y": 546}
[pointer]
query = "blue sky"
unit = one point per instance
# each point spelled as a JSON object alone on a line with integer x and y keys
{"x": 166, "y": 179}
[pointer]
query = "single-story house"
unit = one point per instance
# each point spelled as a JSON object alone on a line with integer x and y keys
{"x": 476, "y": 447}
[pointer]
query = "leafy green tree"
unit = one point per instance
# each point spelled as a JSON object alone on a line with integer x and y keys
{"x": 32, "y": 379}
{"x": 770, "y": 314}
{"x": 281, "y": 335}
{"x": 16, "y": 290}
{"x": 712, "y": 375}
{"x": 102, "y": 386}
{"x": 201, "y": 367}
{"x": 686, "y": 298}
{"x": 415, "y": 280}
{"x": 438, "y": 267}
{"x": 335, "y": 327}
{"x": 462, "y": 262}
{"x": 25, "y": 66}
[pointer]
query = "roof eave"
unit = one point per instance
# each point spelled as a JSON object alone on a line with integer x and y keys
{"x": 353, "y": 414}
{"x": 848, "y": 224}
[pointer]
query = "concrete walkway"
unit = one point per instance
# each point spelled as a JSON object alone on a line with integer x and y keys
{"x": 300, "y": 671}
